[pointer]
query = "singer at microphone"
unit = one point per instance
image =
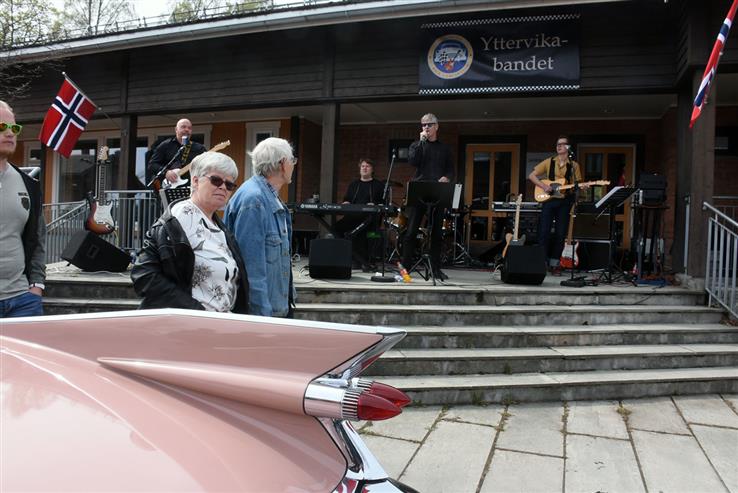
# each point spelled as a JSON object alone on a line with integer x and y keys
{"x": 178, "y": 150}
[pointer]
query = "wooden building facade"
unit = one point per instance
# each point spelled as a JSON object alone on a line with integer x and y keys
{"x": 341, "y": 81}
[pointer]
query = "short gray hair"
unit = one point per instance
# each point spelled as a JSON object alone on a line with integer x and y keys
{"x": 214, "y": 161}
{"x": 429, "y": 116}
{"x": 5, "y": 105}
{"x": 267, "y": 154}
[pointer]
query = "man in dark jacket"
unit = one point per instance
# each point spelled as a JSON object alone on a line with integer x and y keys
{"x": 22, "y": 230}
{"x": 170, "y": 149}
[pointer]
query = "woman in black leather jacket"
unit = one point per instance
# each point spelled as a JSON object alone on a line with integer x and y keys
{"x": 189, "y": 259}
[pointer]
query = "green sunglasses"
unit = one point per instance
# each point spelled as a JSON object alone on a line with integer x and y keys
{"x": 14, "y": 127}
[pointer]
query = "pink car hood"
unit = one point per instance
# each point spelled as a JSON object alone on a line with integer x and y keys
{"x": 71, "y": 424}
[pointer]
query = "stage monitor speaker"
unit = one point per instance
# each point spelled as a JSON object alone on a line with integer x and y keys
{"x": 91, "y": 253}
{"x": 330, "y": 258}
{"x": 524, "y": 264}
{"x": 591, "y": 227}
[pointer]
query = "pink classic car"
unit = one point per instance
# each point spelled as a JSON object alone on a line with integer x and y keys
{"x": 175, "y": 400}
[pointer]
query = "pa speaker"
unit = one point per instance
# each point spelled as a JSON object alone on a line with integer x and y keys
{"x": 330, "y": 258}
{"x": 524, "y": 264}
{"x": 91, "y": 253}
{"x": 592, "y": 226}
{"x": 594, "y": 255}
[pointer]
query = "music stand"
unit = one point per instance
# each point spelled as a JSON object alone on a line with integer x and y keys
{"x": 429, "y": 194}
{"x": 614, "y": 199}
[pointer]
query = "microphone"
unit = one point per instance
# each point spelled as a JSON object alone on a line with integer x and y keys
{"x": 394, "y": 153}
{"x": 186, "y": 140}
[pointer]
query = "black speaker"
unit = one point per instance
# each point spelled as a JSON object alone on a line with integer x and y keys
{"x": 330, "y": 258}
{"x": 91, "y": 253}
{"x": 524, "y": 264}
{"x": 593, "y": 255}
{"x": 591, "y": 227}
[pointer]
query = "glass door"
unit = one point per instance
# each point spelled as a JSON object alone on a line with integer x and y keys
{"x": 615, "y": 164}
{"x": 492, "y": 172}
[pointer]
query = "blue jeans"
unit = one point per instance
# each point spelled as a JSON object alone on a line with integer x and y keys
{"x": 23, "y": 305}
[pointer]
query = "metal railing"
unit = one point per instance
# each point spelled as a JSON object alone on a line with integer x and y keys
{"x": 727, "y": 204}
{"x": 722, "y": 259}
{"x": 134, "y": 211}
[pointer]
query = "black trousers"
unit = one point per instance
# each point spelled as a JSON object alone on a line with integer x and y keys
{"x": 359, "y": 241}
{"x": 415, "y": 216}
{"x": 556, "y": 212}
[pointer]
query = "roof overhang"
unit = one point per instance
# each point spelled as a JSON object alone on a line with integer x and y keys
{"x": 280, "y": 19}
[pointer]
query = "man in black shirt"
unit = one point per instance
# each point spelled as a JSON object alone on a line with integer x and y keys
{"x": 434, "y": 162}
{"x": 169, "y": 148}
{"x": 365, "y": 190}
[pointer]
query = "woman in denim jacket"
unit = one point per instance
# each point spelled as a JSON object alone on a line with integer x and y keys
{"x": 262, "y": 225}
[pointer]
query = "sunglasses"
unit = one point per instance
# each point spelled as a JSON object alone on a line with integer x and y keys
{"x": 217, "y": 182}
{"x": 14, "y": 127}
{"x": 427, "y": 124}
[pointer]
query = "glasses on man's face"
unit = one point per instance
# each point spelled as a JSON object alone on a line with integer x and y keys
{"x": 292, "y": 160}
{"x": 562, "y": 144}
{"x": 218, "y": 181}
{"x": 14, "y": 127}
{"x": 424, "y": 125}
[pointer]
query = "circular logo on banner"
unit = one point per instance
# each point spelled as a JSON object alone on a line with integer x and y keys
{"x": 450, "y": 56}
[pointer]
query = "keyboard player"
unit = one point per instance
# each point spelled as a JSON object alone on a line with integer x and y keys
{"x": 365, "y": 190}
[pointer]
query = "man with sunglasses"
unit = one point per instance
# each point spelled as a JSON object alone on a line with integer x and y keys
{"x": 433, "y": 162}
{"x": 22, "y": 230}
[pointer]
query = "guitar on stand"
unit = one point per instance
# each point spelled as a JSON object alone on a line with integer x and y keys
{"x": 559, "y": 185}
{"x": 569, "y": 256}
{"x": 512, "y": 238}
{"x": 100, "y": 219}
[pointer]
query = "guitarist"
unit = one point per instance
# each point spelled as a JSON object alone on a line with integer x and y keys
{"x": 556, "y": 210}
{"x": 169, "y": 148}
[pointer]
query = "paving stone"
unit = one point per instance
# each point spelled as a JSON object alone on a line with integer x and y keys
{"x": 674, "y": 464}
{"x": 511, "y": 472}
{"x": 534, "y": 428}
{"x": 655, "y": 414}
{"x": 732, "y": 399}
{"x": 413, "y": 424}
{"x": 706, "y": 409}
{"x": 393, "y": 454}
{"x": 599, "y": 418}
{"x": 483, "y": 415}
{"x": 451, "y": 459}
{"x": 601, "y": 464}
{"x": 721, "y": 447}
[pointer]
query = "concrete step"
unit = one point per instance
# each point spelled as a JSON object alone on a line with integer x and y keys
{"x": 552, "y": 359}
{"x": 589, "y": 385}
{"x": 428, "y": 337}
{"x": 505, "y": 295}
{"x": 61, "y": 306}
{"x": 485, "y": 315}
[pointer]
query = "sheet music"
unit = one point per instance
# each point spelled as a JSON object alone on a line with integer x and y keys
{"x": 607, "y": 196}
{"x": 457, "y": 196}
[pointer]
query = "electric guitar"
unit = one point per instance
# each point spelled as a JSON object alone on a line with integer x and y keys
{"x": 512, "y": 238}
{"x": 185, "y": 169}
{"x": 558, "y": 185}
{"x": 100, "y": 220}
{"x": 569, "y": 257}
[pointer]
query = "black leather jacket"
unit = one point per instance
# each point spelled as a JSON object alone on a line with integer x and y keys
{"x": 162, "y": 273}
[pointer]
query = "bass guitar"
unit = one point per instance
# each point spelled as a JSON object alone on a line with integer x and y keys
{"x": 100, "y": 218}
{"x": 559, "y": 185}
{"x": 512, "y": 238}
{"x": 569, "y": 256}
{"x": 185, "y": 169}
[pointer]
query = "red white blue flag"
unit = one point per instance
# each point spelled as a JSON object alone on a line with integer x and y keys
{"x": 66, "y": 119}
{"x": 712, "y": 64}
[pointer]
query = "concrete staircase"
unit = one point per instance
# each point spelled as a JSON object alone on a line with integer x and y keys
{"x": 507, "y": 343}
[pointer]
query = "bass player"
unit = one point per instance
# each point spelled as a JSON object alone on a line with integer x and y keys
{"x": 556, "y": 210}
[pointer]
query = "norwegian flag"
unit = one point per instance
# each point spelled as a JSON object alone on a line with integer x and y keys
{"x": 66, "y": 119}
{"x": 712, "y": 63}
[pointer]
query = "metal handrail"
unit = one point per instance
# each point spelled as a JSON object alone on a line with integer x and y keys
{"x": 721, "y": 272}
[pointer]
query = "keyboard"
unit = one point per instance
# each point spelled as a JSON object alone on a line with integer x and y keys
{"x": 510, "y": 207}
{"x": 345, "y": 209}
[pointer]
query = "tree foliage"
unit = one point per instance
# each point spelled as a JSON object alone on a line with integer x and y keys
{"x": 91, "y": 17}
{"x": 192, "y": 10}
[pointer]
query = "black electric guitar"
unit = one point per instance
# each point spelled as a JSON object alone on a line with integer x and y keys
{"x": 100, "y": 220}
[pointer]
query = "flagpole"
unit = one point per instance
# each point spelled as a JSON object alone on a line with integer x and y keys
{"x": 90, "y": 100}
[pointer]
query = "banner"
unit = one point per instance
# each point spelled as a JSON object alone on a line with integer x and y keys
{"x": 512, "y": 54}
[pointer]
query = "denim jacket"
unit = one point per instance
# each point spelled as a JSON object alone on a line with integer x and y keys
{"x": 263, "y": 228}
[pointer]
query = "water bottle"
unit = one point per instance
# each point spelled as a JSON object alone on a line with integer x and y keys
{"x": 403, "y": 272}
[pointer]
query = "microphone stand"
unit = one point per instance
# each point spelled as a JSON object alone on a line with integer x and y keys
{"x": 164, "y": 170}
{"x": 573, "y": 282}
{"x": 382, "y": 277}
